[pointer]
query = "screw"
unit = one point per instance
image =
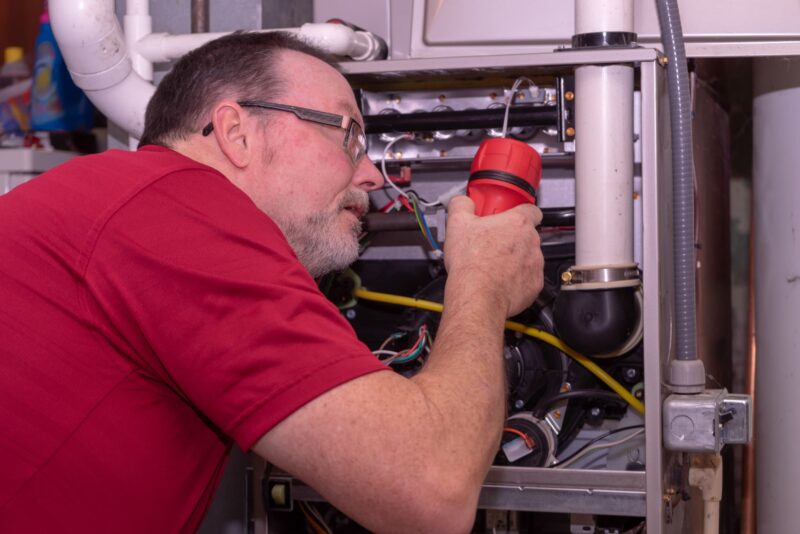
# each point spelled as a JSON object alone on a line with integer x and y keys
{"x": 595, "y": 411}
{"x": 663, "y": 60}
{"x": 569, "y": 96}
{"x": 570, "y": 132}
{"x": 518, "y": 404}
{"x": 631, "y": 373}
{"x": 566, "y": 276}
{"x": 350, "y": 314}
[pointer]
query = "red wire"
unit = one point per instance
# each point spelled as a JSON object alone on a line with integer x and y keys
{"x": 405, "y": 203}
{"x": 525, "y": 437}
{"x": 422, "y": 331}
{"x": 388, "y": 206}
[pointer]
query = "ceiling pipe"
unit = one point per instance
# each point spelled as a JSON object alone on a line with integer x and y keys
{"x": 101, "y": 62}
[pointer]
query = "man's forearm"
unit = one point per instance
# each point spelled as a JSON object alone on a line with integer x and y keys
{"x": 465, "y": 376}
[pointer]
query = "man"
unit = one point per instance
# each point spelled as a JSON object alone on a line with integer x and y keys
{"x": 158, "y": 306}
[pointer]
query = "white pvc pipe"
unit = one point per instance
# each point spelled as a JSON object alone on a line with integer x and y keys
{"x": 776, "y": 199}
{"x": 604, "y": 166}
{"x": 94, "y": 49}
{"x": 163, "y": 47}
{"x": 97, "y": 55}
{"x": 138, "y": 24}
{"x": 336, "y": 39}
{"x": 593, "y": 16}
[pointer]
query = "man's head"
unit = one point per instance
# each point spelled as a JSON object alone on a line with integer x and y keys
{"x": 298, "y": 171}
{"x": 240, "y": 66}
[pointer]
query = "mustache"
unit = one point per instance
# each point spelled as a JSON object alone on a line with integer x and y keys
{"x": 355, "y": 198}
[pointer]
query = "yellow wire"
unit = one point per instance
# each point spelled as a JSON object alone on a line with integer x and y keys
{"x": 550, "y": 339}
{"x": 311, "y": 520}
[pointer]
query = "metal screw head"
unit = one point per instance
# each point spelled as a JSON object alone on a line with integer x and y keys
{"x": 350, "y": 314}
{"x": 663, "y": 61}
{"x": 518, "y": 404}
{"x": 595, "y": 411}
{"x": 566, "y": 276}
{"x": 569, "y": 96}
{"x": 570, "y": 132}
{"x": 631, "y": 373}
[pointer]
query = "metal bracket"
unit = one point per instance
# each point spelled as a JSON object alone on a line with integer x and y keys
{"x": 600, "y": 275}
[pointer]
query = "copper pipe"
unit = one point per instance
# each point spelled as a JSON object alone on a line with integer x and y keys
{"x": 200, "y": 22}
{"x": 749, "y": 524}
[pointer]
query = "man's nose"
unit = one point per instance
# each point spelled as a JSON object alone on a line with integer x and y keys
{"x": 367, "y": 176}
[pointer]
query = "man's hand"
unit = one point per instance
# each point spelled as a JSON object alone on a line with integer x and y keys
{"x": 499, "y": 253}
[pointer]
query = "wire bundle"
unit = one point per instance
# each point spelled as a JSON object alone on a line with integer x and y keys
{"x": 541, "y": 335}
{"x": 421, "y": 346}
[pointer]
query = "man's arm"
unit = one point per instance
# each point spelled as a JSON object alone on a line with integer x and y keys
{"x": 402, "y": 455}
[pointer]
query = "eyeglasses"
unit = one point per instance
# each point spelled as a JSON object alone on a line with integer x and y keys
{"x": 354, "y": 144}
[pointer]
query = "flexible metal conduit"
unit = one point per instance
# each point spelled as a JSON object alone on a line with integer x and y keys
{"x": 682, "y": 178}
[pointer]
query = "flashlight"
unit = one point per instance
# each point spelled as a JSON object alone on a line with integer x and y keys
{"x": 504, "y": 173}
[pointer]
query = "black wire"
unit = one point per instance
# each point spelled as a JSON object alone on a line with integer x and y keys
{"x": 595, "y": 440}
{"x": 410, "y": 192}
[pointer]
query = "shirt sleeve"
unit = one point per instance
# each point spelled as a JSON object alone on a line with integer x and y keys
{"x": 193, "y": 284}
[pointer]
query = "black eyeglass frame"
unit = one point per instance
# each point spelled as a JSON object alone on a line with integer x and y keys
{"x": 353, "y": 130}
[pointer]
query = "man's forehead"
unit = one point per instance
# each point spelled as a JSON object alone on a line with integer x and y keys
{"x": 314, "y": 76}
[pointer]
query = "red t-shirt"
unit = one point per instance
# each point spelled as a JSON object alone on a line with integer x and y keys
{"x": 150, "y": 314}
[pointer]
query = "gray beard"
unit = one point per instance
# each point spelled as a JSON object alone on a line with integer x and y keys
{"x": 315, "y": 243}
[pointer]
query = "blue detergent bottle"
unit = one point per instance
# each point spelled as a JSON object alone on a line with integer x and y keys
{"x": 57, "y": 104}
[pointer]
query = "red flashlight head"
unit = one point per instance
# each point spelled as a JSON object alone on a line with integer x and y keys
{"x": 504, "y": 173}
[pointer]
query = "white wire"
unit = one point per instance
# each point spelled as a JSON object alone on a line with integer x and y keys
{"x": 510, "y": 99}
{"x": 386, "y": 178}
{"x": 384, "y": 352}
{"x": 597, "y": 446}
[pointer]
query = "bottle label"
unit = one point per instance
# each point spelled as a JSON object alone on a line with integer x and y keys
{"x": 46, "y": 103}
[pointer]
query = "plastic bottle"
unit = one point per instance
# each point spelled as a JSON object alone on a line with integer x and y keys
{"x": 57, "y": 104}
{"x": 14, "y": 68}
{"x": 15, "y": 97}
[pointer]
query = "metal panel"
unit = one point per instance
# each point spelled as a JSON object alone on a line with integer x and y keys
{"x": 562, "y": 490}
{"x": 502, "y": 65}
{"x": 712, "y": 28}
{"x": 656, "y": 279}
{"x": 442, "y": 28}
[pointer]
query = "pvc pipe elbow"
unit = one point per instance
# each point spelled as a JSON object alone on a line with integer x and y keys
{"x": 94, "y": 49}
{"x": 368, "y": 47}
{"x": 91, "y": 41}
{"x": 135, "y": 93}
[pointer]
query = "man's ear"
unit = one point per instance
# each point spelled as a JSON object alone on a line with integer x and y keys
{"x": 233, "y": 131}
